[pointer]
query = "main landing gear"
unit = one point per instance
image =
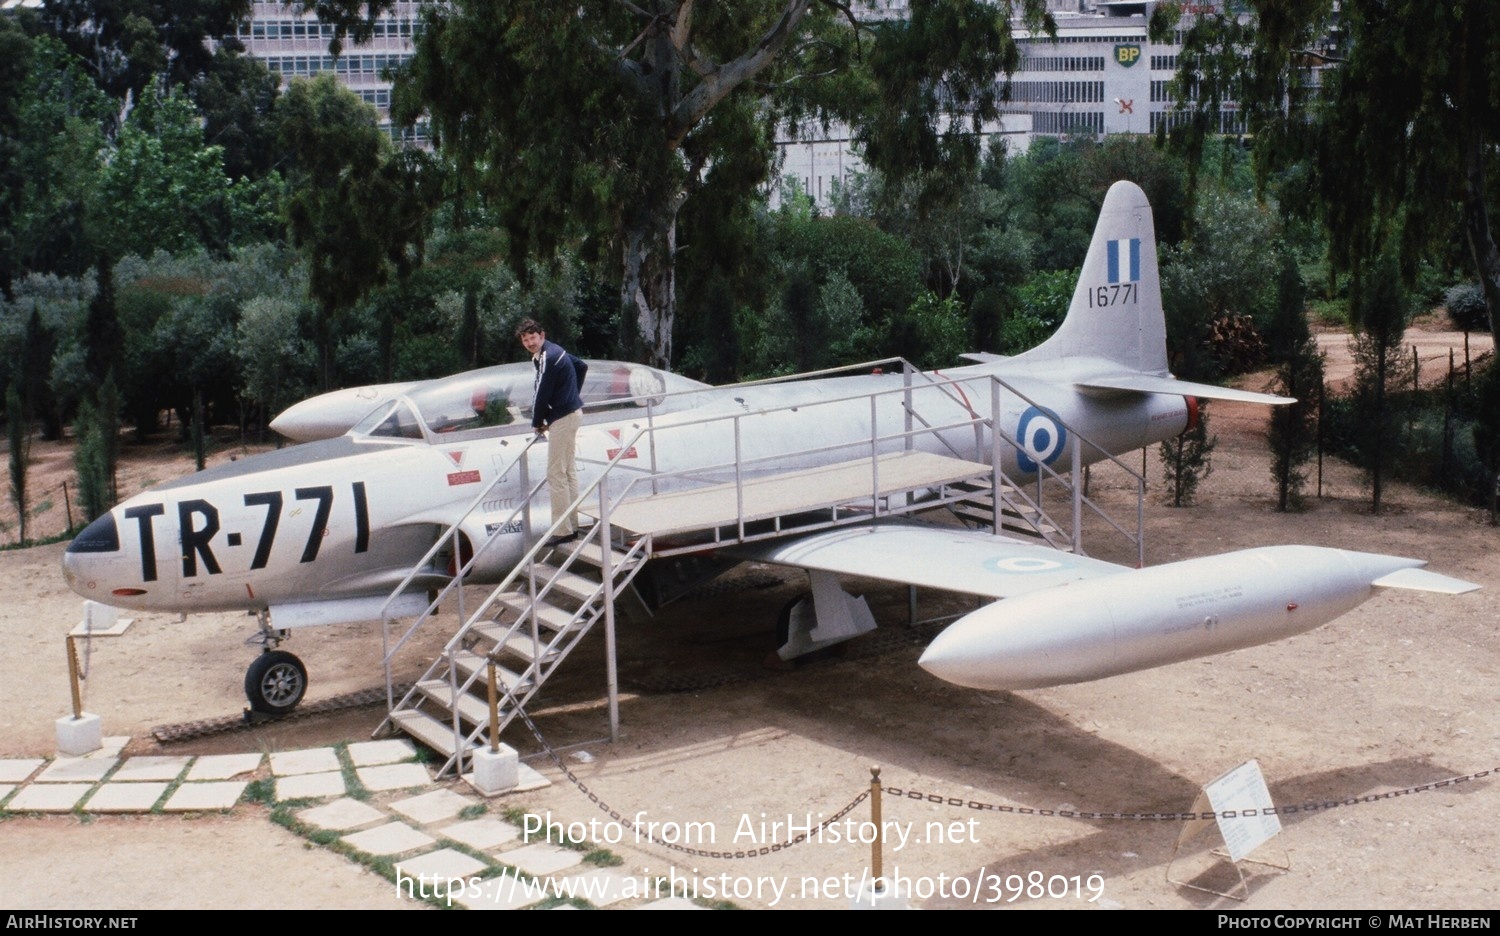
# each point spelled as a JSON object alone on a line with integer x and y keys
{"x": 277, "y": 680}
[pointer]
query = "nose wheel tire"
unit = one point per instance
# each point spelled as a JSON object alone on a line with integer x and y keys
{"x": 275, "y": 682}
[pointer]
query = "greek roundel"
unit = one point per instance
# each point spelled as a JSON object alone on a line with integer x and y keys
{"x": 1042, "y": 438}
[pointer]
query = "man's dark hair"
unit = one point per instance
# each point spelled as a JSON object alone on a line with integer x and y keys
{"x": 528, "y": 326}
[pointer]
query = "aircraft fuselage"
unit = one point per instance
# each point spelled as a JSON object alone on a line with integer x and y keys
{"x": 347, "y": 517}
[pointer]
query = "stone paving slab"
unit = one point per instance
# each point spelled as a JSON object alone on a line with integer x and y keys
{"x": 433, "y": 807}
{"x": 206, "y": 797}
{"x": 393, "y": 838}
{"x": 502, "y": 893}
{"x": 76, "y": 770}
{"x": 308, "y": 761}
{"x": 48, "y": 797}
{"x": 111, "y": 747}
{"x": 482, "y": 834}
{"x": 223, "y": 766}
{"x": 310, "y": 786}
{"x": 126, "y": 797}
{"x": 542, "y": 859}
{"x": 445, "y": 864}
{"x": 393, "y": 777}
{"x": 341, "y": 815}
{"x": 374, "y": 753}
{"x": 16, "y": 770}
{"x": 5, "y": 790}
{"x": 151, "y": 768}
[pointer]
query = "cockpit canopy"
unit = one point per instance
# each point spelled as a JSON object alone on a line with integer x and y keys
{"x": 501, "y": 396}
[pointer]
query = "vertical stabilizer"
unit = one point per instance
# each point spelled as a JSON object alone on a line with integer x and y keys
{"x": 1116, "y": 311}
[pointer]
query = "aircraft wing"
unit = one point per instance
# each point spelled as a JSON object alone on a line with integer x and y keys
{"x": 951, "y": 559}
{"x": 1147, "y": 383}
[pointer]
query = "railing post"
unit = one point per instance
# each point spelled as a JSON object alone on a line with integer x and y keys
{"x": 1077, "y": 495}
{"x": 906, "y": 399}
{"x": 875, "y": 457}
{"x": 526, "y": 486}
{"x": 996, "y": 476}
{"x": 651, "y": 431}
{"x": 739, "y": 482}
{"x": 607, "y": 573}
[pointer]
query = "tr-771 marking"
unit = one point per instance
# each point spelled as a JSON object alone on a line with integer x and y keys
{"x": 196, "y": 536}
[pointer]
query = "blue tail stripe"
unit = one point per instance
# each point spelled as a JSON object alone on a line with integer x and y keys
{"x": 1113, "y": 253}
{"x": 1135, "y": 259}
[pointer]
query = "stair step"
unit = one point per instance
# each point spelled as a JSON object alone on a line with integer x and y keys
{"x": 471, "y": 708}
{"x": 522, "y": 646}
{"x": 549, "y": 616}
{"x": 426, "y": 729}
{"x": 469, "y": 662}
{"x": 594, "y": 556}
{"x": 570, "y": 583}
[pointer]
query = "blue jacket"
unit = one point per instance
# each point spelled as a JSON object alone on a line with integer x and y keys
{"x": 556, "y": 386}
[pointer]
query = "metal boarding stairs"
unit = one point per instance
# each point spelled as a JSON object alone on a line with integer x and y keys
{"x": 546, "y": 605}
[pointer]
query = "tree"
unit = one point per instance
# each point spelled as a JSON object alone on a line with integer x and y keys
{"x": 1401, "y": 131}
{"x": 15, "y": 69}
{"x": 1380, "y": 319}
{"x": 597, "y": 121}
{"x": 61, "y": 116}
{"x": 126, "y": 43}
{"x": 163, "y": 189}
{"x": 1188, "y": 459}
{"x": 1292, "y": 434}
{"x": 358, "y": 211}
{"x": 18, "y": 430}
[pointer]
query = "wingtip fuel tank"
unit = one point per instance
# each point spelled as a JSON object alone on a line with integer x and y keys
{"x": 1164, "y": 614}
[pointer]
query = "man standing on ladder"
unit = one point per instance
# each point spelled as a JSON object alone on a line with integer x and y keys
{"x": 556, "y": 413}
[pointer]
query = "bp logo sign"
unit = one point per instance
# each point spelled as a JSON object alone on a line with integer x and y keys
{"x": 1128, "y": 55}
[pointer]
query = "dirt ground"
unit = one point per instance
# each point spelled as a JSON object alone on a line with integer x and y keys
{"x": 1396, "y": 694}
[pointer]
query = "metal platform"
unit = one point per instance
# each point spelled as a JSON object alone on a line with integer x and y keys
{"x": 860, "y": 484}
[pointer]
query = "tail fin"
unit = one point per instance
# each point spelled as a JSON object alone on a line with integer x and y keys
{"x": 1116, "y": 311}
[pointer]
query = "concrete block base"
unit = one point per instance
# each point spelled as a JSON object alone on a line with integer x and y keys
{"x": 878, "y": 895}
{"x": 79, "y": 736}
{"x": 497, "y": 772}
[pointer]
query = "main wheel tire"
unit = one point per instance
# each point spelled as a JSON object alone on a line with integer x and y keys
{"x": 275, "y": 682}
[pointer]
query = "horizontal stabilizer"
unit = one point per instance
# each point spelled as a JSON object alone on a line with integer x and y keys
{"x": 1146, "y": 383}
{"x": 1422, "y": 580}
{"x": 984, "y": 357}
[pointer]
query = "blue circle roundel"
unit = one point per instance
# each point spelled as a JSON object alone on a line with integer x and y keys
{"x": 1041, "y": 436}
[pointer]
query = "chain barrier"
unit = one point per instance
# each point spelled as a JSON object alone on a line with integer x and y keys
{"x": 981, "y": 806}
{"x": 1184, "y": 816}
{"x": 648, "y": 837}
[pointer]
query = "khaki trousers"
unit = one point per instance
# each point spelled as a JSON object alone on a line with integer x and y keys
{"x": 562, "y": 471}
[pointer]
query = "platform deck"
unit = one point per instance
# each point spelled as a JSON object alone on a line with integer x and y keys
{"x": 841, "y": 484}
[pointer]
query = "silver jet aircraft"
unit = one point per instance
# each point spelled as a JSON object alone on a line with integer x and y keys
{"x": 323, "y": 532}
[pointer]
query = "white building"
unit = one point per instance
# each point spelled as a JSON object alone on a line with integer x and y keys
{"x": 1102, "y": 74}
{"x": 295, "y": 45}
{"x": 820, "y": 163}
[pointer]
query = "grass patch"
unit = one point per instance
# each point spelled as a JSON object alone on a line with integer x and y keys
{"x": 603, "y": 858}
{"x": 352, "y": 784}
{"x": 261, "y": 791}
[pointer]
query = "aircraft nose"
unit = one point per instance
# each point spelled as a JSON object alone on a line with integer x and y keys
{"x": 101, "y": 536}
{"x": 99, "y": 539}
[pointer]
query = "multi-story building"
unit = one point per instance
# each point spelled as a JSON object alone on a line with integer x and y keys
{"x": 1102, "y": 74}
{"x": 295, "y": 45}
